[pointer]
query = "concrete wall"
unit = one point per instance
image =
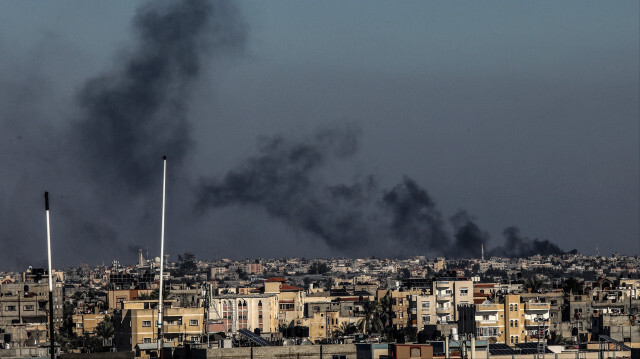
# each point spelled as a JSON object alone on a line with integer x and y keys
{"x": 24, "y": 352}
{"x": 298, "y": 351}
{"x": 107, "y": 355}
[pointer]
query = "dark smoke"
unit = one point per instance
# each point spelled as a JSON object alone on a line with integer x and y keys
{"x": 104, "y": 169}
{"x": 285, "y": 180}
{"x": 517, "y": 246}
{"x": 282, "y": 181}
{"x": 415, "y": 221}
{"x": 468, "y": 236}
{"x": 137, "y": 113}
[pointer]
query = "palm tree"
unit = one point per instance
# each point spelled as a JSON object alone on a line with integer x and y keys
{"x": 105, "y": 329}
{"x": 533, "y": 284}
{"x": 371, "y": 309}
{"x": 345, "y": 329}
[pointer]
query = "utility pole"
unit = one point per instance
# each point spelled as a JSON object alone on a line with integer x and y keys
{"x": 51, "y": 329}
{"x": 164, "y": 181}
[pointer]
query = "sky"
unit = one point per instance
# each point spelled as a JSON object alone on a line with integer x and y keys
{"x": 318, "y": 129}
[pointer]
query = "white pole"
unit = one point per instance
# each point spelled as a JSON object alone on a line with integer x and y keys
{"x": 51, "y": 329}
{"x": 164, "y": 181}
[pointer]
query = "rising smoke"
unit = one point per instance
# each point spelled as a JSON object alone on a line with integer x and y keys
{"x": 109, "y": 160}
{"x": 101, "y": 167}
{"x": 139, "y": 112}
{"x": 284, "y": 180}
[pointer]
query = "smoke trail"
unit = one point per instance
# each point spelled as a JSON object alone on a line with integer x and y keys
{"x": 138, "y": 113}
{"x": 517, "y": 246}
{"x": 284, "y": 180}
{"x": 101, "y": 165}
{"x": 281, "y": 181}
{"x": 468, "y": 237}
{"x": 415, "y": 221}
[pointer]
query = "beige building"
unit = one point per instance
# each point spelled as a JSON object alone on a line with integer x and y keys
{"x": 136, "y": 323}
{"x": 511, "y": 321}
{"x": 229, "y": 313}
{"x": 117, "y": 297}
{"x": 290, "y": 299}
{"x": 85, "y": 324}
{"x": 449, "y": 293}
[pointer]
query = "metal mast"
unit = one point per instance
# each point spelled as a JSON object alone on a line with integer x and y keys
{"x": 164, "y": 181}
{"x": 51, "y": 329}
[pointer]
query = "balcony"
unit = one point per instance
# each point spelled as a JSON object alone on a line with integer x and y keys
{"x": 487, "y": 322}
{"x": 441, "y": 310}
{"x": 443, "y": 284}
{"x": 537, "y": 306}
{"x": 443, "y": 297}
{"x": 533, "y": 323}
{"x": 488, "y": 308}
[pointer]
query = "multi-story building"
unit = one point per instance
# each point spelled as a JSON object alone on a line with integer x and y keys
{"x": 136, "y": 323}
{"x": 86, "y": 324}
{"x": 28, "y": 303}
{"x": 449, "y": 293}
{"x": 231, "y": 312}
{"x": 511, "y": 321}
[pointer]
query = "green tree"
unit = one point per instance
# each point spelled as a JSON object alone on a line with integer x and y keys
{"x": 573, "y": 285}
{"x": 371, "y": 322}
{"x": 105, "y": 328}
{"x": 533, "y": 284}
{"x": 345, "y": 329}
{"x": 318, "y": 268}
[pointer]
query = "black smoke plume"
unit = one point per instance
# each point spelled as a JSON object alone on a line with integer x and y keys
{"x": 468, "y": 237}
{"x": 284, "y": 179}
{"x": 517, "y": 246}
{"x": 137, "y": 113}
{"x": 103, "y": 168}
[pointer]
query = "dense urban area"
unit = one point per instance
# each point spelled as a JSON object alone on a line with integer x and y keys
{"x": 496, "y": 306}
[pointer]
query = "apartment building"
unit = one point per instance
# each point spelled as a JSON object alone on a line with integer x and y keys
{"x": 136, "y": 323}
{"x": 28, "y": 303}
{"x": 449, "y": 293}
{"x": 511, "y": 321}
{"x": 231, "y": 312}
{"x": 86, "y": 324}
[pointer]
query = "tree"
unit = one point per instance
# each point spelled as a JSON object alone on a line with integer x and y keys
{"x": 345, "y": 329}
{"x": 318, "y": 268}
{"x": 105, "y": 329}
{"x": 371, "y": 322}
{"x": 573, "y": 285}
{"x": 533, "y": 284}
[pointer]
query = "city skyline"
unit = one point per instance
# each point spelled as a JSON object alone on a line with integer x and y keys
{"x": 318, "y": 129}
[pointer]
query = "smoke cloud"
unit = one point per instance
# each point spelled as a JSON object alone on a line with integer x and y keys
{"x": 137, "y": 113}
{"x": 284, "y": 179}
{"x": 517, "y": 246}
{"x": 101, "y": 160}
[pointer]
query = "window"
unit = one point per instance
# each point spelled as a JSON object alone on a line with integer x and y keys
{"x": 28, "y": 308}
{"x": 195, "y": 339}
{"x": 146, "y": 323}
{"x": 515, "y": 307}
{"x": 511, "y": 307}
{"x": 426, "y": 319}
{"x": 485, "y": 317}
{"x": 516, "y": 323}
{"x": 146, "y": 340}
{"x": 193, "y": 322}
{"x": 10, "y": 308}
{"x": 464, "y": 291}
{"x": 79, "y": 325}
{"x": 425, "y": 305}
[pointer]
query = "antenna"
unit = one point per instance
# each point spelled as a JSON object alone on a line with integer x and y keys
{"x": 51, "y": 329}
{"x": 164, "y": 181}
